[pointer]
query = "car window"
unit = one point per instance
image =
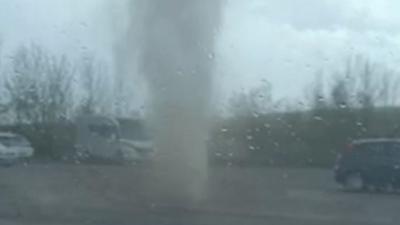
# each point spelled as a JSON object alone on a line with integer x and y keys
{"x": 395, "y": 150}
{"x": 104, "y": 131}
{"x": 13, "y": 141}
{"x": 373, "y": 148}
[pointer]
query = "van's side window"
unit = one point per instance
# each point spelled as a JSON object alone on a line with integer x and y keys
{"x": 103, "y": 131}
{"x": 395, "y": 150}
{"x": 373, "y": 150}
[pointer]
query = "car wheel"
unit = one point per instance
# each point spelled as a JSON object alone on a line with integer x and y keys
{"x": 372, "y": 188}
{"x": 389, "y": 188}
{"x": 354, "y": 182}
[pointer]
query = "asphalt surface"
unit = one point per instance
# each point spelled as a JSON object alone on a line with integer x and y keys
{"x": 104, "y": 194}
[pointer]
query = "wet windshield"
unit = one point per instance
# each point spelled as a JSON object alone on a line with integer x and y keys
{"x": 199, "y": 112}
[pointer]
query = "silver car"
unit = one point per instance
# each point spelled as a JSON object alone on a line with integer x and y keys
{"x": 14, "y": 147}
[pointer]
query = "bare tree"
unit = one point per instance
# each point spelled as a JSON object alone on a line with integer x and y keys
{"x": 58, "y": 89}
{"x": 39, "y": 86}
{"x": 240, "y": 104}
{"x": 367, "y": 92}
{"x": 384, "y": 94}
{"x": 261, "y": 98}
{"x": 389, "y": 88}
{"x": 254, "y": 102}
{"x": 315, "y": 93}
{"x": 93, "y": 75}
{"x": 395, "y": 88}
{"x": 340, "y": 93}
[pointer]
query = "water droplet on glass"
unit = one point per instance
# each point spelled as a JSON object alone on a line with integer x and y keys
{"x": 224, "y": 130}
{"x": 252, "y": 148}
{"x": 180, "y": 73}
{"x": 267, "y": 125}
{"x": 211, "y": 56}
{"x": 83, "y": 24}
{"x": 343, "y": 106}
{"x": 249, "y": 137}
{"x": 289, "y": 61}
{"x": 360, "y": 124}
{"x": 318, "y": 118}
{"x": 256, "y": 115}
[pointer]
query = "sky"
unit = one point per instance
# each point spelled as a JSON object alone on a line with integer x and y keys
{"x": 284, "y": 42}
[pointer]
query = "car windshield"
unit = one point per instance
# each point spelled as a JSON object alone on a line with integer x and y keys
{"x": 13, "y": 141}
{"x": 157, "y": 112}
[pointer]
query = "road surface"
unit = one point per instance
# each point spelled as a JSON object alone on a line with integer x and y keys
{"x": 103, "y": 194}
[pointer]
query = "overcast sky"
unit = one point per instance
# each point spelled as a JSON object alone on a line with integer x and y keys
{"x": 283, "y": 41}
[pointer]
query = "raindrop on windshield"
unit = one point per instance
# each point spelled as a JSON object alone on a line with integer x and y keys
{"x": 249, "y": 137}
{"x": 256, "y": 115}
{"x": 83, "y": 24}
{"x": 318, "y": 118}
{"x": 180, "y": 73}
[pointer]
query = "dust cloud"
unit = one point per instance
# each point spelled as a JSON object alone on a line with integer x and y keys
{"x": 173, "y": 43}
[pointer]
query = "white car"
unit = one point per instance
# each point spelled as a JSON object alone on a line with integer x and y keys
{"x": 137, "y": 151}
{"x": 14, "y": 147}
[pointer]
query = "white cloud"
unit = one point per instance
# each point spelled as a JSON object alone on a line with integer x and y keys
{"x": 287, "y": 41}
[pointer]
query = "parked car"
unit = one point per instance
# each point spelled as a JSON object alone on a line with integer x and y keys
{"x": 100, "y": 138}
{"x": 136, "y": 151}
{"x": 369, "y": 164}
{"x": 13, "y": 148}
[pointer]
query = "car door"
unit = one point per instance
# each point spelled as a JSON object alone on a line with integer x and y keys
{"x": 377, "y": 163}
{"x": 394, "y": 163}
{"x": 386, "y": 163}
